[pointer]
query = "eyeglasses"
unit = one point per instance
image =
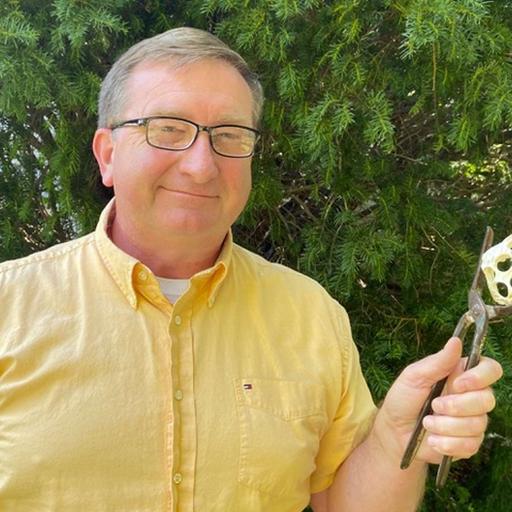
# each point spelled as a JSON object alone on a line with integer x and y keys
{"x": 176, "y": 134}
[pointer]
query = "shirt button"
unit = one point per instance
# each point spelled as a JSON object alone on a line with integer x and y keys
{"x": 177, "y": 478}
{"x": 143, "y": 275}
{"x": 178, "y": 394}
{"x": 177, "y": 320}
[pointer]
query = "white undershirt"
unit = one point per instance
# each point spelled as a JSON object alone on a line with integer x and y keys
{"x": 173, "y": 289}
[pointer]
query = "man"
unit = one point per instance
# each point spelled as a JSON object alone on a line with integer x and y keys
{"x": 154, "y": 365}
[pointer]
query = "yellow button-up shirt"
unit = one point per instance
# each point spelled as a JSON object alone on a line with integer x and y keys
{"x": 246, "y": 395}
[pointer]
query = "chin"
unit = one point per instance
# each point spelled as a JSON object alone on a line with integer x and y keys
{"x": 189, "y": 226}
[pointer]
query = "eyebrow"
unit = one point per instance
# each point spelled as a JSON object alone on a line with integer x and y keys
{"x": 225, "y": 120}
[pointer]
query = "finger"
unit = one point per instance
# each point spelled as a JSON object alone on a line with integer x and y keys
{"x": 467, "y": 426}
{"x": 457, "y": 447}
{"x": 486, "y": 373}
{"x": 471, "y": 403}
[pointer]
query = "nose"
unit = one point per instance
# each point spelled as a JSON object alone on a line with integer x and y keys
{"x": 199, "y": 160}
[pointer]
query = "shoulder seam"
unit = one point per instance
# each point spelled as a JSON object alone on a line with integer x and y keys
{"x": 262, "y": 262}
{"x": 47, "y": 254}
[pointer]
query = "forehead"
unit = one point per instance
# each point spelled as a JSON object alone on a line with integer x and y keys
{"x": 207, "y": 91}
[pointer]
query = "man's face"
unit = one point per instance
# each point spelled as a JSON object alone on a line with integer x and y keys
{"x": 194, "y": 192}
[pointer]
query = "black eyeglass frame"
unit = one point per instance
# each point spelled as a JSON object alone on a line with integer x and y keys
{"x": 144, "y": 121}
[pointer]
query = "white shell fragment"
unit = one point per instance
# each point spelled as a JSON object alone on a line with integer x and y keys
{"x": 497, "y": 267}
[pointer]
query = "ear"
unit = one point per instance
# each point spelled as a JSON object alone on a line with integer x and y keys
{"x": 103, "y": 149}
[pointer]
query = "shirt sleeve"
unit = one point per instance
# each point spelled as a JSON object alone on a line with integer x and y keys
{"x": 354, "y": 415}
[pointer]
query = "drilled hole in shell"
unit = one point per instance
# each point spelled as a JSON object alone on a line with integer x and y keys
{"x": 502, "y": 289}
{"x": 504, "y": 265}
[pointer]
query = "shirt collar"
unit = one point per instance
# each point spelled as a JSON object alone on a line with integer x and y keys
{"x": 214, "y": 276}
{"x": 122, "y": 266}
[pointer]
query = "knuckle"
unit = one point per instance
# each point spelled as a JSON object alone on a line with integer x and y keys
{"x": 484, "y": 421}
{"x": 478, "y": 424}
{"x": 451, "y": 407}
{"x": 460, "y": 448}
{"x": 498, "y": 370}
{"x": 413, "y": 376}
{"x": 495, "y": 367}
{"x": 472, "y": 445}
{"x": 444, "y": 445}
{"x": 466, "y": 447}
{"x": 488, "y": 401}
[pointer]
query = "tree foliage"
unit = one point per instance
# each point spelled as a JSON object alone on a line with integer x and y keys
{"x": 386, "y": 152}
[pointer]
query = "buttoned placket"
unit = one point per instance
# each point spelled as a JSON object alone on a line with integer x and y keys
{"x": 184, "y": 448}
{"x": 182, "y": 426}
{"x": 181, "y": 433}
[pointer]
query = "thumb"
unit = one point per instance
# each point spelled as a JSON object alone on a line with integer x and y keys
{"x": 409, "y": 391}
{"x": 426, "y": 372}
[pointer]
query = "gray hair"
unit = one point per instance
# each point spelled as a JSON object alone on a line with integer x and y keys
{"x": 180, "y": 46}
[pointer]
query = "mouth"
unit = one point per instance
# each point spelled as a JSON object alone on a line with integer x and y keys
{"x": 186, "y": 193}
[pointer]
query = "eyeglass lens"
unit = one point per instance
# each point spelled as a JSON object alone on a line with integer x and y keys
{"x": 177, "y": 134}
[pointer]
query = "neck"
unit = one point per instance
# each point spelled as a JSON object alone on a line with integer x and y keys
{"x": 169, "y": 259}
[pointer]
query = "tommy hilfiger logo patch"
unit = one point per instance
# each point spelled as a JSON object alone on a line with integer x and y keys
{"x": 247, "y": 386}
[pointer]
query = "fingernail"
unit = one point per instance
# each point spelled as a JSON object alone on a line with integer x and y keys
{"x": 451, "y": 340}
{"x": 438, "y": 406}
{"x": 428, "y": 422}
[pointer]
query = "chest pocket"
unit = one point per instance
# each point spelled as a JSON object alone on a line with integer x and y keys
{"x": 281, "y": 423}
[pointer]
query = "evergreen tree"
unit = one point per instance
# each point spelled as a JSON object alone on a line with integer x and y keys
{"x": 386, "y": 152}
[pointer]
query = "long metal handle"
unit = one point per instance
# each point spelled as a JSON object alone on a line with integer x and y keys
{"x": 419, "y": 432}
{"x": 473, "y": 359}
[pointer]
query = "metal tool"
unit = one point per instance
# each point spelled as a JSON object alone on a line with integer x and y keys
{"x": 478, "y": 314}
